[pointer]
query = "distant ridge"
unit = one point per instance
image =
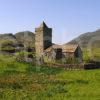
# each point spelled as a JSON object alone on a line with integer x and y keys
{"x": 85, "y": 38}
{"x": 25, "y": 38}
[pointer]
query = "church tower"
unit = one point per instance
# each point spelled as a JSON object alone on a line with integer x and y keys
{"x": 43, "y": 38}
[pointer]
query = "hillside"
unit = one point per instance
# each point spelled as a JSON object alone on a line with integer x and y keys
{"x": 90, "y": 44}
{"x": 25, "y": 38}
{"x": 8, "y": 36}
{"x": 86, "y": 38}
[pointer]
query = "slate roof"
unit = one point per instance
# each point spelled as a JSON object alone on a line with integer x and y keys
{"x": 70, "y": 48}
{"x": 55, "y": 46}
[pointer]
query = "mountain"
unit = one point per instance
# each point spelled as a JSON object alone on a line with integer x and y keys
{"x": 7, "y": 36}
{"x": 26, "y": 38}
{"x": 90, "y": 44}
{"x": 9, "y": 41}
{"x": 87, "y": 38}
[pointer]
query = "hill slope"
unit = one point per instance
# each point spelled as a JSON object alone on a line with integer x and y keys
{"x": 86, "y": 38}
{"x": 7, "y": 36}
{"x": 26, "y": 38}
{"x": 90, "y": 44}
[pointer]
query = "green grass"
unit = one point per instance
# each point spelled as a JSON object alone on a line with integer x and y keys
{"x": 93, "y": 54}
{"x": 23, "y": 81}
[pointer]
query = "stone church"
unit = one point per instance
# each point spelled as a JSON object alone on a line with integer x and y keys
{"x": 45, "y": 47}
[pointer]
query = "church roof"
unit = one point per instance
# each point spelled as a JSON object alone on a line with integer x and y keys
{"x": 70, "y": 47}
{"x": 55, "y": 46}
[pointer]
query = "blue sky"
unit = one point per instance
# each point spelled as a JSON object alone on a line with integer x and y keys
{"x": 68, "y": 18}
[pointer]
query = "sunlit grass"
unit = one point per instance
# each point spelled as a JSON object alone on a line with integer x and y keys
{"x": 23, "y": 81}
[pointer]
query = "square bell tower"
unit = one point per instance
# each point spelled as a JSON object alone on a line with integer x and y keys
{"x": 43, "y": 38}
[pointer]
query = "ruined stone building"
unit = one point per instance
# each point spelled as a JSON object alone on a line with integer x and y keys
{"x": 45, "y": 47}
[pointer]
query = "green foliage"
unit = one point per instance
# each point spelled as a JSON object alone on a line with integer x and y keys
{"x": 20, "y": 56}
{"x": 7, "y": 45}
{"x": 93, "y": 55}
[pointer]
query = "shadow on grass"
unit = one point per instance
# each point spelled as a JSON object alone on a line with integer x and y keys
{"x": 9, "y": 72}
{"x": 10, "y": 85}
{"x": 43, "y": 69}
{"x": 82, "y": 81}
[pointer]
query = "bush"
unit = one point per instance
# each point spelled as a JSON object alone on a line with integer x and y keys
{"x": 7, "y": 45}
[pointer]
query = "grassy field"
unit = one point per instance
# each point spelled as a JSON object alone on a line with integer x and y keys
{"x": 23, "y": 81}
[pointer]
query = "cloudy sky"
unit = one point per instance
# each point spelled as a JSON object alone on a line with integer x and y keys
{"x": 68, "y": 18}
